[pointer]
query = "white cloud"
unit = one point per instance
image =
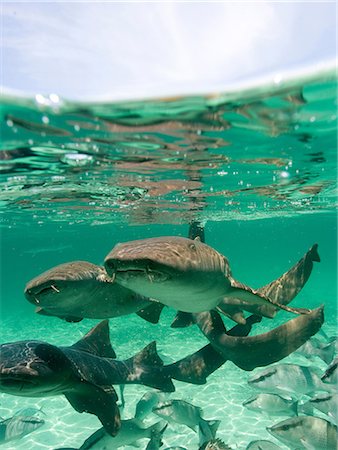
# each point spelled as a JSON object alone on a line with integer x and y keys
{"x": 142, "y": 49}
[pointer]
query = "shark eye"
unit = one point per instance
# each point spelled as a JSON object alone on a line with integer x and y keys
{"x": 192, "y": 247}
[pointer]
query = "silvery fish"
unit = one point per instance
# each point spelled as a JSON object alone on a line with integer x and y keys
{"x": 331, "y": 374}
{"x": 175, "y": 448}
{"x": 306, "y": 432}
{"x": 214, "y": 444}
{"x": 179, "y": 411}
{"x": 325, "y": 403}
{"x": 30, "y": 411}
{"x": 272, "y": 404}
{"x": 314, "y": 347}
{"x": 262, "y": 445}
{"x": 18, "y": 426}
{"x": 130, "y": 432}
{"x": 293, "y": 378}
{"x": 145, "y": 405}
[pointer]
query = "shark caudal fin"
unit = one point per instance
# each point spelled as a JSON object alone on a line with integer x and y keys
{"x": 151, "y": 313}
{"x": 96, "y": 342}
{"x": 83, "y": 394}
{"x": 285, "y": 288}
{"x": 147, "y": 367}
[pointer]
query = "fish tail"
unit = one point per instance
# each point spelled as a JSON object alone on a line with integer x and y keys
{"x": 294, "y": 407}
{"x": 157, "y": 429}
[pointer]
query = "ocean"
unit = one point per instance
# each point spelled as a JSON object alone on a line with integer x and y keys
{"x": 256, "y": 167}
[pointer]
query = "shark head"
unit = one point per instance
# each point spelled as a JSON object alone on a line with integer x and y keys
{"x": 64, "y": 289}
{"x": 24, "y": 373}
{"x": 166, "y": 267}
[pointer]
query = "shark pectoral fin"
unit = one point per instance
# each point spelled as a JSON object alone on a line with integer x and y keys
{"x": 96, "y": 341}
{"x": 151, "y": 313}
{"x": 235, "y": 313}
{"x": 101, "y": 402}
{"x": 182, "y": 320}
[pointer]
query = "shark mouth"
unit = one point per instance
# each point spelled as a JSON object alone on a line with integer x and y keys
{"x": 32, "y": 295}
{"x": 126, "y": 273}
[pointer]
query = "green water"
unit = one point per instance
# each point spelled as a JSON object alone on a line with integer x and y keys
{"x": 257, "y": 168}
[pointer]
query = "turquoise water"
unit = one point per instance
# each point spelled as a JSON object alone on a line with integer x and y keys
{"x": 257, "y": 168}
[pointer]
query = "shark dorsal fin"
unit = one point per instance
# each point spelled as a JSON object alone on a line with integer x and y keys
{"x": 96, "y": 341}
{"x": 148, "y": 356}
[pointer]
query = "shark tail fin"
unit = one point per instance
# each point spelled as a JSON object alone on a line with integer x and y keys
{"x": 96, "y": 341}
{"x": 314, "y": 253}
{"x": 152, "y": 373}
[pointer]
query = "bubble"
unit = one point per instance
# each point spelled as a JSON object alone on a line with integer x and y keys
{"x": 54, "y": 98}
{"x": 284, "y": 174}
{"x": 45, "y": 120}
{"x": 278, "y": 78}
{"x": 77, "y": 159}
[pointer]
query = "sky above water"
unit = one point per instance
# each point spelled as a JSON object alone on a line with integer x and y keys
{"x": 115, "y": 50}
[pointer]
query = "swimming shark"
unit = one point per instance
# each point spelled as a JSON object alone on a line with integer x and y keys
{"x": 86, "y": 371}
{"x": 182, "y": 273}
{"x": 80, "y": 289}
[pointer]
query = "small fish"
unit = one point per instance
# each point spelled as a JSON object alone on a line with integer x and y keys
{"x": 131, "y": 431}
{"x": 325, "y": 403}
{"x": 29, "y": 412}
{"x": 175, "y": 448}
{"x": 145, "y": 405}
{"x": 179, "y": 411}
{"x": 293, "y": 378}
{"x": 314, "y": 347}
{"x": 156, "y": 438}
{"x": 18, "y": 426}
{"x": 272, "y": 404}
{"x": 306, "y": 432}
{"x": 331, "y": 374}
{"x": 262, "y": 445}
{"x": 214, "y": 444}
